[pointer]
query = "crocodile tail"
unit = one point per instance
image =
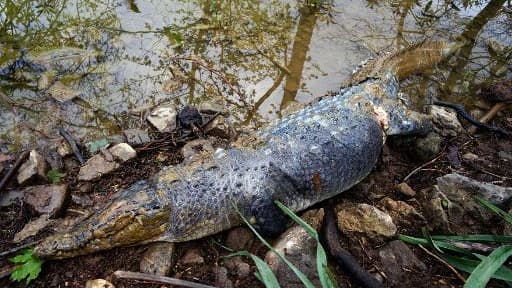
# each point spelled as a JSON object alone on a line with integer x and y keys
{"x": 420, "y": 58}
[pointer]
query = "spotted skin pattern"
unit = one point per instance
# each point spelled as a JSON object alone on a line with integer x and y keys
{"x": 307, "y": 157}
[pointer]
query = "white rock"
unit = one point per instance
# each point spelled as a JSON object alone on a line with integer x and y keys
{"x": 445, "y": 121}
{"x": 34, "y": 167}
{"x": 122, "y": 152}
{"x": 163, "y": 118}
{"x": 98, "y": 283}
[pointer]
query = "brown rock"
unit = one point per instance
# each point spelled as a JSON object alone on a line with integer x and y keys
{"x": 405, "y": 189}
{"x": 96, "y": 167}
{"x": 46, "y": 199}
{"x": 34, "y": 169}
{"x": 239, "y": 239}
{"x": 32, "y": 228}
{"x": 192, "y": 256}
{"x": 158, "y": 259}
{"x": 366, "y": 219}
{"x": 98, "y": 283}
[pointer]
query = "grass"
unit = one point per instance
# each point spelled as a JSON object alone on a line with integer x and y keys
{"x": 265, "y": 274}
{"x": 482, "y": 268}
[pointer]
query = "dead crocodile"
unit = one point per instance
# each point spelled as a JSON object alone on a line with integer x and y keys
{"x": 307, "y": 157}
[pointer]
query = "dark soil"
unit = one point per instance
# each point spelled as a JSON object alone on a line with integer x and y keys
{"x": 393, "y": 167}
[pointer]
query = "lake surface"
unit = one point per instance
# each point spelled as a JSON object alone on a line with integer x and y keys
{"x": 114, "y": 61}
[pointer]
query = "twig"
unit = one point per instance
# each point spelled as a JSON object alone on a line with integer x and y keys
{"x": 158, "y": 279}
{"x": 347, "y": 262}
{"x": 16, "y": 249}
{"x": 73, "y": 145}
{"x": 423, "y": 166}
{"x": 489, "y": 115}
{"x": 13, "y": 169}
{"x": 445, "y": 263}
{"x": 6, "y": 271}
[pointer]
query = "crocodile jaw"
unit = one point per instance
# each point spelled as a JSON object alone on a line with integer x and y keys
{"x": 134, "y": 217}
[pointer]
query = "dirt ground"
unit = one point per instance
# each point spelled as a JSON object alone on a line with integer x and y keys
{"x": 394, "y": 165}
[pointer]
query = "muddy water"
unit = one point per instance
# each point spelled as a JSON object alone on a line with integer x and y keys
{"x": 253, "y": 57}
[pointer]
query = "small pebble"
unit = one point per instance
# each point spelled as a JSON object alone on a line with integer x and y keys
{"x": 470, "y": 156}
{"x": 405, "y": 189}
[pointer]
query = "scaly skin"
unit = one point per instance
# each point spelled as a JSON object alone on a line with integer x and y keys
{"x": 307, "y": 157}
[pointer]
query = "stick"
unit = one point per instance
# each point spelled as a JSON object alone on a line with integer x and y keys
{"x": 13, "y": 169}
{"x": 423, "y": 166}
{"x": 347, "y": 262}
{"x": 445, "y": 263}
{"x": 73, "y": 145}
{"x": 489, "y": 115}
{"x": 16, "y": 249}
{"x": 158, "y": 279}
{"x": 6, "y": 271}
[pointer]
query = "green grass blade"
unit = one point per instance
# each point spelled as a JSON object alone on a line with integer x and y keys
{"x": 303, "y": 278}
{"x": 467, "y": 265}
{"x": 475, "y": 238}
{"x": 310, "y": 230}
{"x": 264, "y": 274}
{"x": 494, "y": 209}
{"x": 487, "y": 267}
{"x": 440, "y": 244}
{"x": 429, "y": 239}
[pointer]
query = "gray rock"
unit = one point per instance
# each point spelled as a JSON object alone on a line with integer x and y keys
{"x": 136, "y": 137}
{"x": 46, "y": 199}
{"x": 195, "y": 148}
{"x": 96, "y": 167}
{"x": 98, "y": 283}
{"x": 122, "y": 152}
{"x": 450, "y": 204}
{"x": 192, "y": 256}
{"x": 34, "y": 169}
{"x": 405, "y": 189}
{"x": 220, "y": 127}
{"x": 221, "y": 278}
{"x": 298, "y": 247}
{"x": 445, "y": 121}
{"x": 10, "y": 197}
{"x": 239, "y": 239}
{"x": 212, "y": 107}
{"x": 428, "y": 146}
{"x": 397, "y": 259}
{"x": 158, "y": 259}
{"x": 163, "y": 118}
{"x": 366, "y": 219}
{"x": 32, "y": 228}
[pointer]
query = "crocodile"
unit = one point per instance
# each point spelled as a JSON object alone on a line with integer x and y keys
{"x": 305, "y": 158}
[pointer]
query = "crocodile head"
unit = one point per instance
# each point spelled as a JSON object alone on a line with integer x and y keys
{"x": 136, "y": 216}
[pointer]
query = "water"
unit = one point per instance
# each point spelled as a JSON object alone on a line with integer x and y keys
{"x": 253, "y": 57}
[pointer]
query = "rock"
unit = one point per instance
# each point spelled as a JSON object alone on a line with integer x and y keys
{"x": 221, "y": 276}
{"x": 96, "y": 167}
{"x": 445, "y": 121}
{"x": 190, "y": 117}
{"x": 158, "y": 259}
{"x": 398, "y": 262}
{"x": 192, "y": 256}
{"x": 220, "y": 127}
{"x": 405, "y": 189}
{"x": 81, "y": 200}
{"x": 429, "y": 146}
{"x": 401, "y": 212}
{"x": 64, "y": 149}
{"x": 239, "y": 239}
{"x": 211, "y": 107}
{"x": 195, "y": 148}
{"x": 451, "y": 201}
{"x": 98, "y": 283}
{"x": 470, "y": 157}
{"x": 136, "y": 137}
{"x": 505, "y": 156}
{"x": 34, "y": 169}
{"x": 46, "y": 199}
{"x": 163, "y": 118}
{"x": 366, "y": 219}
{"x": 10, "y": 197}
{"x": 94, "y": 146}
{"x": 61, "y": 92}
{"x": 299, "y": 248}
{"x": 32, "y": 228}
{"x": 238, "y": 266}
{"x": 122, "y": 152}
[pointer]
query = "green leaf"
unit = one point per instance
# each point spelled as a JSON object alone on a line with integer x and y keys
{"x": 475, "y": 238}
{"x": 468, "y": 265}
{"x": 494, "y": 209}
{"x": 264, "y": 274}
{"x": 28, "y": 267}
{"x": 54, "y": 176}
{"x": 487, "y": 267}
{"x": 303, "y": 278}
